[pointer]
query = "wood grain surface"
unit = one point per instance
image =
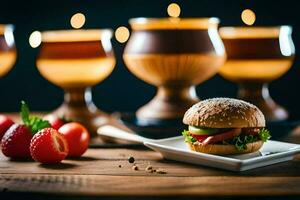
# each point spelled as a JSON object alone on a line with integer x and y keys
{"x": 106, "y": 172}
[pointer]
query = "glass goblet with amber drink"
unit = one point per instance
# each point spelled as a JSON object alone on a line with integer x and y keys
{"x": 175, "y": 55}
{"x": 255, "y": 57}
{"x": 8, "y": 52}
{"x": 75, "y": 60}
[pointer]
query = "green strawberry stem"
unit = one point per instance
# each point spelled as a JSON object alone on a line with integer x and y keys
{"x": 65, "y": 120}
{"x": 34, "y": 123}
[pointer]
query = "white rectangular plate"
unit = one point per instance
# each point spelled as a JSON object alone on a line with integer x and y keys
{"x": 175, "y": 149}
{"x": 272, "y": 152}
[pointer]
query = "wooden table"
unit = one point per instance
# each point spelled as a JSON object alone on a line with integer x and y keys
{"x": 106, "y": 173}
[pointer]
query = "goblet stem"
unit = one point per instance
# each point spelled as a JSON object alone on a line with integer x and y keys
{"x": 75, "y": 97}
{"x": 79, "y": 97}
{"x": 170, "y": 102}
{"x": 78, "y": 106}
{"x": 258, "y": 94}
{"x": 176, "y": 93}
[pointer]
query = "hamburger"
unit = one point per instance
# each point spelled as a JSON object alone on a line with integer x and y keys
{"x": 225, "y": 126}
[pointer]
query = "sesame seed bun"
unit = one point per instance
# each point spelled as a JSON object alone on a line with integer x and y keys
{"x": 224, "y": 113}
{"x": 220, "y": 149}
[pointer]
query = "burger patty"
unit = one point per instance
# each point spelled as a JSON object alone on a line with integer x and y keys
{"x": 223, "y": 136}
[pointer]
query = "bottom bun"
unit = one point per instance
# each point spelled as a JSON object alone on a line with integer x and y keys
{"x": 220, "y": 149}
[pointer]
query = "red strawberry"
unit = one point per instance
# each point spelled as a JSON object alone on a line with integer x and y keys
{"x": 56, "y": 122}
{"x": 15, "y": 142}
{"x": 5, "y": 123}
{"x": 48, "y": 146}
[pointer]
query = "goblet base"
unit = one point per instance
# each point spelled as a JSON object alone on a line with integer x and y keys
{"x": 90, "y": 119}
{"x": 78, "y": 106}
{"x": 258, "y": 94}
{"x": 170, "y": 102}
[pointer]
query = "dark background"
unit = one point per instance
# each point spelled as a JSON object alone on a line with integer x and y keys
{"x": 122, "y": 91}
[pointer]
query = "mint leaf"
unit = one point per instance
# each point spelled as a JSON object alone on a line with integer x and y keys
{"x": 34, "y": 123}
{"x": 24, "y": 113}
{"x": 187, "y": 137}
{"x": 264, "y": 134}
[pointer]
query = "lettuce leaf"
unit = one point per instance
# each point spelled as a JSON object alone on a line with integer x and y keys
{"x": 264, "y": 134}
{"x": 240, "y": 142}
{"x": 187, "y": 137}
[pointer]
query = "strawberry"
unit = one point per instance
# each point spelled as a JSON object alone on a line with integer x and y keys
{"x": 56, "y": 122}
{"x": 15, "y": 142}
{"x": 5, "y": 123}
{"x": 48, "y": 146}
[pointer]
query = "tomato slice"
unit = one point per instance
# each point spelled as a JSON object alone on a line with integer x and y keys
{"x": 223, "y": 136}
{"x": 199, "y": 138}
{"x": 251, "y": 131}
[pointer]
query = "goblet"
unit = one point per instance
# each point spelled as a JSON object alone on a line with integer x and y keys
{"x": 173, "y": 54}
{"x": 76, "y": 60}
{"x": 8, "y": 52}
{"x": 255, "y": 57}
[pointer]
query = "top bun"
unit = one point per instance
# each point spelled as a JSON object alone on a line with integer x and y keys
{"x": 224, "y": 113}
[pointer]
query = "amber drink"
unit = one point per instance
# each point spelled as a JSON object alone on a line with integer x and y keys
{"x": 76, "y": 60}
{"x": 255, "y": 57}
{"x": 174, "y": 54}
{"x": 7, "y": 49}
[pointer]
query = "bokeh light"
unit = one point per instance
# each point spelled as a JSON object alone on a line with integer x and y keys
{"x": 248, "y": 17}
{"x": 77, "y": 20}
{"x": 35, "y": 39}
{"x": 174, "y": 10}
{"x": 122, "y": 34}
